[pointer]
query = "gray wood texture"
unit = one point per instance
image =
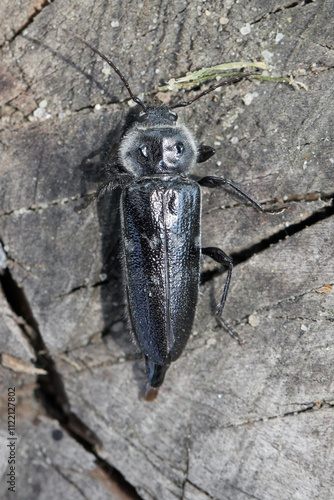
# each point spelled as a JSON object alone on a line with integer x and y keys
{"x": 230, "y": 422}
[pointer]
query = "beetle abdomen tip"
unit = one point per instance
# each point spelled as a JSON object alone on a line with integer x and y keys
{"x": 151, "y": 393}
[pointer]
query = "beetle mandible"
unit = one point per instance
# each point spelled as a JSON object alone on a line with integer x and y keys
{"x": 160, "y": 210}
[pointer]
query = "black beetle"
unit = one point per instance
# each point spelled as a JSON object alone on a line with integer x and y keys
{"x": 161, "y": 230}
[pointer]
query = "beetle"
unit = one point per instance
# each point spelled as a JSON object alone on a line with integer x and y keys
{"x": 160, "y": 209}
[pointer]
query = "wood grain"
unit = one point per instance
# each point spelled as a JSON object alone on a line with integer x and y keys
{"x": 230, "y": 422}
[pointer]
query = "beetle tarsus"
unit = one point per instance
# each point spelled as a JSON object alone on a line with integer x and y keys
{"x": 234, "y": 334}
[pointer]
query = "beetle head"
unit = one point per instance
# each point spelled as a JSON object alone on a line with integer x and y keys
{"x": 157, "y": 145}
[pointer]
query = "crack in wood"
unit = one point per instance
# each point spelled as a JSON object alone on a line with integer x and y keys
{"x": 288, "y": 231}
{"x": 274, "y": 305}
{"x": 41, "y": 206}
{"x": 37, "y": 207}
{"x": 188, "y": 450}
{"x": 97, "y": 284}
{"x": 291, "y": 5}
{"x": 51, "y": 390}
{"x": 285, "y": 199}
{"x": 90, "y": 368}
{"x": 35, "y": 10}
{"x": 310, "y": 406}
{"x": 62, "y": 474}
{"x": 199, "y": 489}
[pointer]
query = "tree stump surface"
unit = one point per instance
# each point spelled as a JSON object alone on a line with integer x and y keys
{"x": 230, "y": 421}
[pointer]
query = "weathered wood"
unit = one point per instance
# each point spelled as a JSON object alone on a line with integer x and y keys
{"x": 230, "y": 422}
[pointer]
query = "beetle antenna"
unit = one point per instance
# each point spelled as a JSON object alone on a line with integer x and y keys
{"x": 133, "y": 97}
{"x": 230, "y": 81}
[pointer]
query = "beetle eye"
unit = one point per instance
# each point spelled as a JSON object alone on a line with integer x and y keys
{"x": 143, "y": 150}
{"x": 179, "y": 147}
{"x": 173, "y": 114}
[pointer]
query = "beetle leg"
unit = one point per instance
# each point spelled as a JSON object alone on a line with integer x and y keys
{"x": 222, "y": 258}
{"x": 212, "y": 181}
{"x": 108, "y": 186}
{"x": 204, "y": 153}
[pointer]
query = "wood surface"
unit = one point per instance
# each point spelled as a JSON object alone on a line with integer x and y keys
{"x": 230, "y": 422}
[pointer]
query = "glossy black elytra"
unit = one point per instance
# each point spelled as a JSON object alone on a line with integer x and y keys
{"x": 161, "y": 230}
